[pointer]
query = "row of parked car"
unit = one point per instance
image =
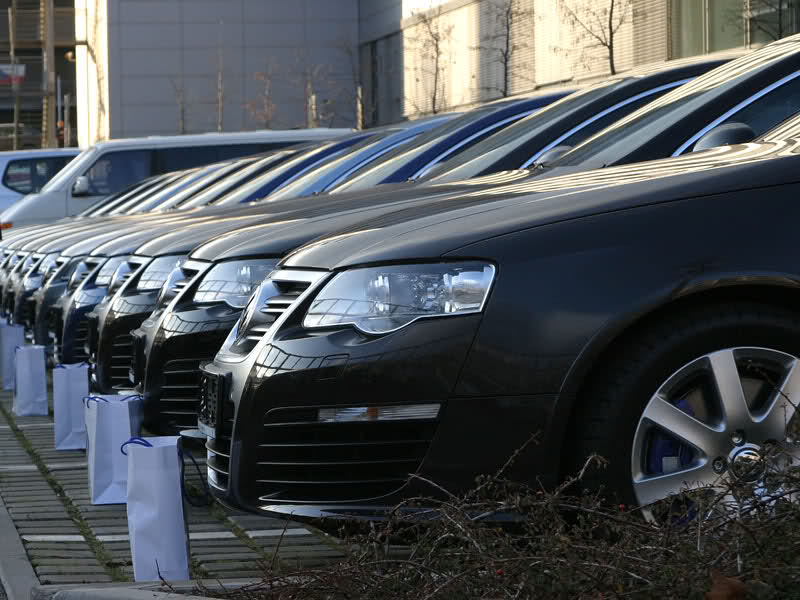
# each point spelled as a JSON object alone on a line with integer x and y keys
{"x": 613, "y": 269}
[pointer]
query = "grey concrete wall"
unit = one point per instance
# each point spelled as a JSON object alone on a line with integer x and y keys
{"x": 160, "y": 50}
{"x": 379, "y": 18}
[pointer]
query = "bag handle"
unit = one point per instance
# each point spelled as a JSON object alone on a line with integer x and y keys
{"x": 207, "y": 499}
{"x": 135, "y": 440}
{"x": 87, "y": 399}
{"x": 131, "y": 397}
{"x": 80, "y": 364}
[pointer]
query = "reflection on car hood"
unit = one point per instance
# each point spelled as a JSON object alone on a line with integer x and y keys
{"x": 257, "y": 238}
{"x": 432, "y": 229}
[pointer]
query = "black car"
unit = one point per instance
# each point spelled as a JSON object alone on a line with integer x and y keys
{"x": 645, "y": 312}
{"x": 170, "y": 343}
{"x": 735, "y": 102}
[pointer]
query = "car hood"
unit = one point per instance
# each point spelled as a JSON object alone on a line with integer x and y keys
{"x": 260, "y": 236}
{"x": 433, "y": 229}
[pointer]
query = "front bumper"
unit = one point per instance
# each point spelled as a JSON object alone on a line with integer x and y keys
{"x": 111, "y": 342}
{"x": 268, "y": 447}
{"x": 69, "y": 326}
{"x": 168, "y": 354}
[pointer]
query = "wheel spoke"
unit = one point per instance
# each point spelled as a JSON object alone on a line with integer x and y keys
{"x": 679, "y": 424}
{"x": 782, "y": 409}
{"x": 655, "y": 488}
{"x": 729, "y": 386}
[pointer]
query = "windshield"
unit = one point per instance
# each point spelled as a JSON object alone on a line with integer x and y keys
{"x": 377, "y": 171}
{"x": 185, "y": 178}
{"x": 115, "y": 200}
{"x": 365, "y": 150}
{"x": 201, "y": 182}
{"x": 78, "y": 165}
{"x": 626, "y": 135}
{"x": 262, "y": 186}
{"x": 143, "y": 193}
{"x": 226, "y": 184}
{"x": 472, "y": 161}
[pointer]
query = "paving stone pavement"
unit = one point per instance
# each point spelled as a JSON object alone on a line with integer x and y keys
{"x": 68, "y": 540}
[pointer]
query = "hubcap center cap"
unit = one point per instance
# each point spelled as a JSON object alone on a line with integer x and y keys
{"x": 746, "y": 463}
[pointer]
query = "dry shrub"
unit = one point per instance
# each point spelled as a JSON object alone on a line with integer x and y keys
{"x": 507, "y": 540}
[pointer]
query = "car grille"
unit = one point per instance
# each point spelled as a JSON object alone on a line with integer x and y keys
{"x": 301, "y": 459}
{"x": 80, "y": 339}
{"x": 217, "y": 412}
{"x": 178, "y": 401}
{"x": 29, "y": 313}
{"x": 121, "y": 358}
{"x": 55, "y": 330}
{"x": 256, "y": 323}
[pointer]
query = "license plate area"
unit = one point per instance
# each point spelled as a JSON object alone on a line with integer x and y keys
{"x": 211, "y": 414}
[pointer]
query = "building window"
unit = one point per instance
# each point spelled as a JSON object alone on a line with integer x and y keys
{"x": 770, "y": 20}
{"x": 703, "y": 26}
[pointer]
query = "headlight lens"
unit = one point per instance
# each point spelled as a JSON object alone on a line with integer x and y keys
{"x": 382, "y": 299}
{"x": 232, "y": 282}
{"x": 108, "y": 269}
{"x": 158, "y": 271}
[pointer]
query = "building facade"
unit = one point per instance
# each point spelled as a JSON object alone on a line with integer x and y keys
{"x": 453, "y": 54}
{"x": 188, "y": 66}
{"x": 144, "y": 67}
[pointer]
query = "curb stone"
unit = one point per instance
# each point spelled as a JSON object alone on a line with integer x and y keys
{"x": 134, "y": 591}
{"x": 16, "y": 572}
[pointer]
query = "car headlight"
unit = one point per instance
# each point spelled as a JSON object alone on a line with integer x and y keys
{"x": 158, "y": 272}
{"x": 42, "y": 273}
{"x": 108, "y": 269}
{"x": 378, "y": 300}
{"x": 232, "y": 282}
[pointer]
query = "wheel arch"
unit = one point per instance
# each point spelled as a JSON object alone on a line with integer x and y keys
{"x": 783, "y": 293}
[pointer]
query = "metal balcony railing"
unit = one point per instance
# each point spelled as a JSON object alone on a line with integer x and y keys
{"x": 30, "y": 28}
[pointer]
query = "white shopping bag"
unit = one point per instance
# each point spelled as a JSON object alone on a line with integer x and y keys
{"x": 156, "y": 521}
{"x": 110, "y": 422}
{"x": 30, "y": 385}
{"x": 11, "y": 336}
{"x": 70, "y": 387}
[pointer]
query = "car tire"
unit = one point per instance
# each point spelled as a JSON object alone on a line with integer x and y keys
{"x": 613, "y": 407}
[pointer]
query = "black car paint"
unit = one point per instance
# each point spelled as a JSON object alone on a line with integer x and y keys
{"x": 576, "y": 268}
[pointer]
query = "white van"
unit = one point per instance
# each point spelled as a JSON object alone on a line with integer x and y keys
{"x": 108, "y": 167}
{"x": 27, "y": 171}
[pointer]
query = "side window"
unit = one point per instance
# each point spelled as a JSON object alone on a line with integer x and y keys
{"x": 236, "y": 150}
{"x": 176, "y": 159}
{"x": 116, "y": 170}
{"x": 770, "y": 109}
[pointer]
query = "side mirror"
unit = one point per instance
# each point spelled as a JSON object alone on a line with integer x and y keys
{"x": 81, "y": 186}
{"x": 552, "y": 154}
{"x": 725, "y": 135}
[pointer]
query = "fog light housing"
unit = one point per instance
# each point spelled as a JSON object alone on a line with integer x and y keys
{"x": 348, "y": 414}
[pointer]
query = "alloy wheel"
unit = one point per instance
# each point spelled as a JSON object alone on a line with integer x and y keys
{"x": 716, "y": 417}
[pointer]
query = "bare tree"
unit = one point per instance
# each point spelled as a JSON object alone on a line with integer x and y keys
{"x": 262, "y": 110}
{"x": 220, "y": 78}
{"x": 597, "y": 23}
{"x": 311, "y": 78}
{"x": 766, "y": 20}
{"x": 180, "y": 99}
{"x": 364, "y": 113}
{"x": 431, "y": 44}
{"x": 501, "y": 43}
